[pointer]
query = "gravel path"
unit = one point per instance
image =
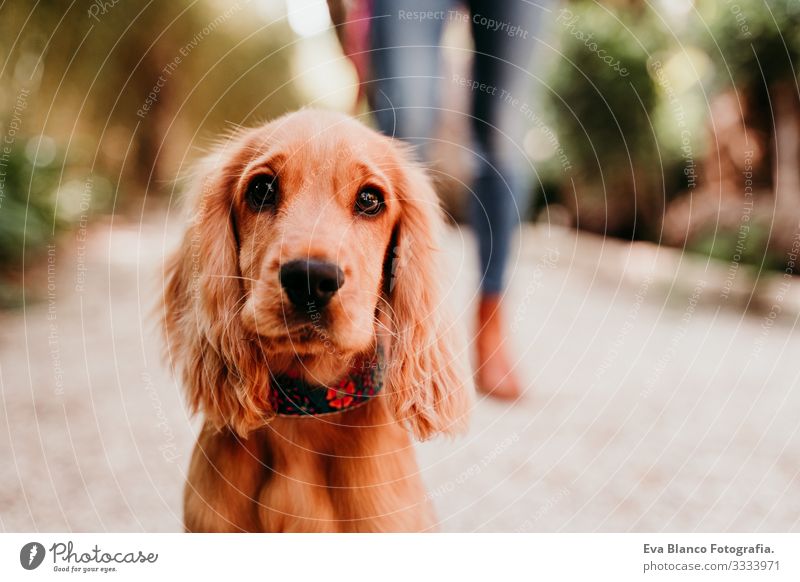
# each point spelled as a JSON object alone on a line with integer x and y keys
{"x": 656, "y": 400}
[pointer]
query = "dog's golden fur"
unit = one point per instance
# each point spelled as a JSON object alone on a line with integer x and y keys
{"x": 228, "y": 324}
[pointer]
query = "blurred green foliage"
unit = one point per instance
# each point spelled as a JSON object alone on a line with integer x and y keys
{"x": 638, "y": 138}
{"x": 603, "y": 86}
{"x": 27, "y": 220}
{"x": 753, "y": 42}
{"x": 755, "y": 48}
{"x": 602, "y": 102}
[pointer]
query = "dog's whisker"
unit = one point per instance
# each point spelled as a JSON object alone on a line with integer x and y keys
{"x": 233, "y": 277}
{"x": 386, "y": 314}
{"x": 235, "y": 311}
{"x": 390, "y": 313}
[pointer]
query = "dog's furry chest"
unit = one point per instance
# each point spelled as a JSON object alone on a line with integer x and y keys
{"x": 354, "y": 472}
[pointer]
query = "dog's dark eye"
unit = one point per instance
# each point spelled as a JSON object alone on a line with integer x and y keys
{"x": 369, "y": 202}
{"x": 262, "y": 191}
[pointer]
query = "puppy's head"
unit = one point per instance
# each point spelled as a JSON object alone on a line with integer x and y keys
{"x": 313, "y": 238}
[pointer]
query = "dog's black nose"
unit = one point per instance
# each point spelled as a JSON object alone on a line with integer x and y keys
{"x": 310, "y": 282}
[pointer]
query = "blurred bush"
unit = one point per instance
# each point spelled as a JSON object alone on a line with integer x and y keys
{"x": 27, "y": 217}
{"x": 748, "y": 209}
{"x": 696, "y": 143}
{"x": 754, "y": 42}
{"x": 43, "y": 192}
{"x": 142, "y": 81}
{"x": 602, "y": 102}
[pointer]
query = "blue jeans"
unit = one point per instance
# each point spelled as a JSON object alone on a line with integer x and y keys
{"x": 405, "y": 37}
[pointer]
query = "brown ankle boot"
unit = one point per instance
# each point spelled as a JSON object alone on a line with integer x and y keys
{"x": 495, "y": 375}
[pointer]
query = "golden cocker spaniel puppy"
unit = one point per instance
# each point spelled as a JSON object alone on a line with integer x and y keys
{"x": 304, "y": 312}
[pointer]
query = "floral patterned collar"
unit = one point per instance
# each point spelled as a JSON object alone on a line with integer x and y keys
{"x": 291, "y": 396}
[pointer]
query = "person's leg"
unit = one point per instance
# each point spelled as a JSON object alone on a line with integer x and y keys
{"x": 504, "y": 34}
{"x": 405, "y": 38}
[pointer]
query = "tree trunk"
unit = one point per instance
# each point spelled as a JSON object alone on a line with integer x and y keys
{"x": 786, "y": 173}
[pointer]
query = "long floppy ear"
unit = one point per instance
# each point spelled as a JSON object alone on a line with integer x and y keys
{"x": 221, "y": 371}
{"x": 428, "y": 378}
